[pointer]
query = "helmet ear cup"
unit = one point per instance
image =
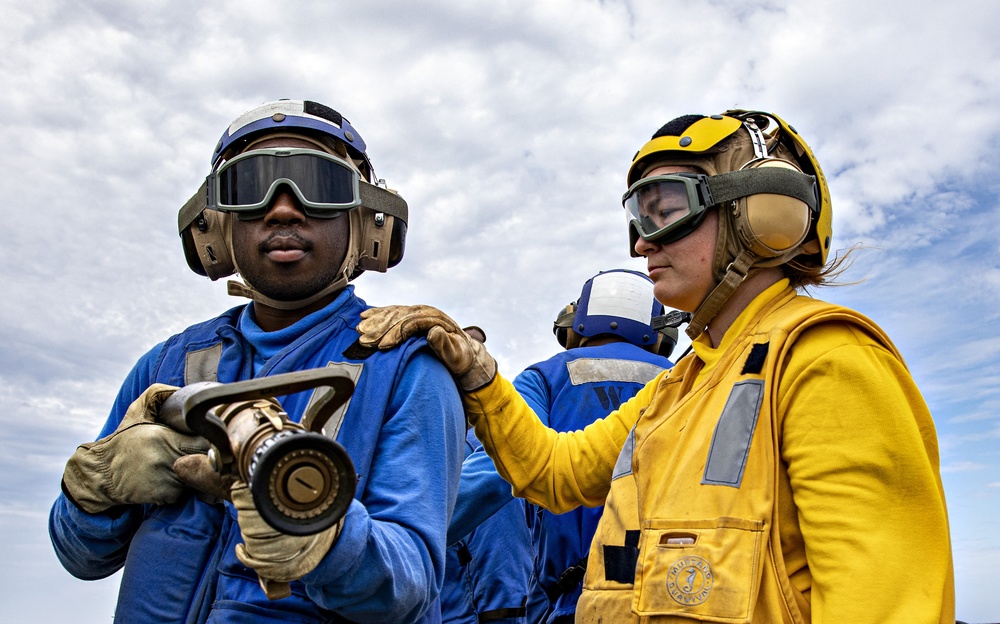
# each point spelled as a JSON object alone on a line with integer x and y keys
{"x": 383, "y": 240}
{"x": 562, "y": 327}
{"x": 205, "y": 245}
{"x": 768, "y": 224}
{"x": 204, "y": 237}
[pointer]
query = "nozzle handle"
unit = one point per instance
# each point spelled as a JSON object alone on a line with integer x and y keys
{"x": 187, "y": 410}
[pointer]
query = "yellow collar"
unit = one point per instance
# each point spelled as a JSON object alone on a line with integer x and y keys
{"x": 710, "y": 355}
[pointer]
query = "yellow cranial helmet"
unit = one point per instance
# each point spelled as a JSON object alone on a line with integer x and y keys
{"x": 736, "y": 140}
{"x": 772, "y": 196}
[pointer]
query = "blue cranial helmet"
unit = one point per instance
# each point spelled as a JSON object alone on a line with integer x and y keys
{"x": 618, "y": 302}
{"x": 294, "y": 116}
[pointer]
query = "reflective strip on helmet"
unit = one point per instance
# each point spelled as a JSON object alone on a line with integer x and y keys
{"x": 270, "y": 109}
{"x": 621, "y": 294}
{"x": 618, "y": 302}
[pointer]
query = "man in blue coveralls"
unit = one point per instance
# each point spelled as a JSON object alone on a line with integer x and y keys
{"x": 294, "y": 208}
{"x": 612, "y": 351}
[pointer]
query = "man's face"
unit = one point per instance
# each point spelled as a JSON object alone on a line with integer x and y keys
{"x": 286, "y": 255}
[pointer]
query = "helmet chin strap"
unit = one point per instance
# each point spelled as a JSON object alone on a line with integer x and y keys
{"x": 736, "y": 273}
{"x": 244, "y": 289}
{"x": 745, "y": 265}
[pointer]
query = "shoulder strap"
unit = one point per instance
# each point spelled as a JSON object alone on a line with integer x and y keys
{"x": 568, "y": 580}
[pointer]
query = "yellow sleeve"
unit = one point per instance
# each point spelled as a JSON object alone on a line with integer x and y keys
{"x": 862, "y": 458}
{"x": 555, "y": 470}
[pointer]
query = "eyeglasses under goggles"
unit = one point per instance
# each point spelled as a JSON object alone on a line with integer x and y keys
{"x": 245, "y": 185}
{"x": 666, "y": 208}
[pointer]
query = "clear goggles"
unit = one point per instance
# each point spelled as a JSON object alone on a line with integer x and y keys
{"x": 666, "y": 208}
{"x": 245, "y": 185}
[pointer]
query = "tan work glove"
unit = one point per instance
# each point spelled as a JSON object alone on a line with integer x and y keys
{"x": 465, "y": 357}
{"x": 197, "y": 472}
{"x": 134, "y": 464}
{"x": 274, "y": 555}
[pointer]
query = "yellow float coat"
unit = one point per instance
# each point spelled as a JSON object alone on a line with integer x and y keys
{"x": 792, "y": 482}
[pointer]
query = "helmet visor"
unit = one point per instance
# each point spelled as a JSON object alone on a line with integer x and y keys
{"x": 245, "y": 185}
{"x": 668, "y": 207}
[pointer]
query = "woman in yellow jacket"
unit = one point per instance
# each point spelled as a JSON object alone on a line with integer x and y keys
{"x": 787, "y": 469}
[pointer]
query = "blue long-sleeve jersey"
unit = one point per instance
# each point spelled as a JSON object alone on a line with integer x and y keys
{"x": 404, "y": 430}
{"x": 488, "y": 571}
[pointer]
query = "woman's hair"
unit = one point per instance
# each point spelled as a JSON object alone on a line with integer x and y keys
{"x": 801, "y": 276}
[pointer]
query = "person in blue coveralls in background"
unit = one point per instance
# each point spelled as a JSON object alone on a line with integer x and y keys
{"x": 488, "y": 570}
{"x": 612, "y": 351}
{"x": 295, "y": 209}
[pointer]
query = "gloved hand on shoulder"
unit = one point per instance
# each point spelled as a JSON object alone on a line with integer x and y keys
{"x": 466, "y": 358}
{"x": 276, "y": 556}
{"x": 133, "y": 465}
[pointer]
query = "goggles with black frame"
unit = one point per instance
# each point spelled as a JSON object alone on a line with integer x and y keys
{"x": 665, "y": 208}
{"x": 245, "y": 185}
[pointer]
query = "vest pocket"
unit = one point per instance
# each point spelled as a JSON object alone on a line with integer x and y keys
{"x": 709, "y": 569}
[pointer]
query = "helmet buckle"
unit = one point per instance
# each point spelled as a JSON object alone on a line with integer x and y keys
{"x": 756, "y": 138}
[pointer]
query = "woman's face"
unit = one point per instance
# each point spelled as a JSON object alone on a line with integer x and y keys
{"x": 682, "y": 270}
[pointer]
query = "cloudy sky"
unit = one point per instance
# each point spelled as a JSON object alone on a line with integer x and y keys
{"x": 508, "y": 126}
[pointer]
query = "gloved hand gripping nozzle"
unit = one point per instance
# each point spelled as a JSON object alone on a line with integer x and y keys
{"x": 302, "y": 481}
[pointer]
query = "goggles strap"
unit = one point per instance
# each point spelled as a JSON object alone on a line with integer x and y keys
{"x": 379, "y": 199}
{"x": 709, "y": 308}
{"x": 730, "y": 186}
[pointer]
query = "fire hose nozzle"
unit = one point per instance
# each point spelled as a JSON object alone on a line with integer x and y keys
{"x": 302, "y": 481}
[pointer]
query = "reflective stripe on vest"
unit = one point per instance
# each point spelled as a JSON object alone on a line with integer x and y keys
{"x": 623, "y": 466}
{"x": 603, "y": 370}
{"x": 203, "y": 364}
{"x": 727, "y": 456}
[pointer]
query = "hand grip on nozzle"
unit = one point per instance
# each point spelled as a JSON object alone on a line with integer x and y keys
{"x": 302, "y": 481}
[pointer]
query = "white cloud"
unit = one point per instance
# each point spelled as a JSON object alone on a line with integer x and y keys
{"x": 508, "y": 128}
{"x": 963, "y": 466}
